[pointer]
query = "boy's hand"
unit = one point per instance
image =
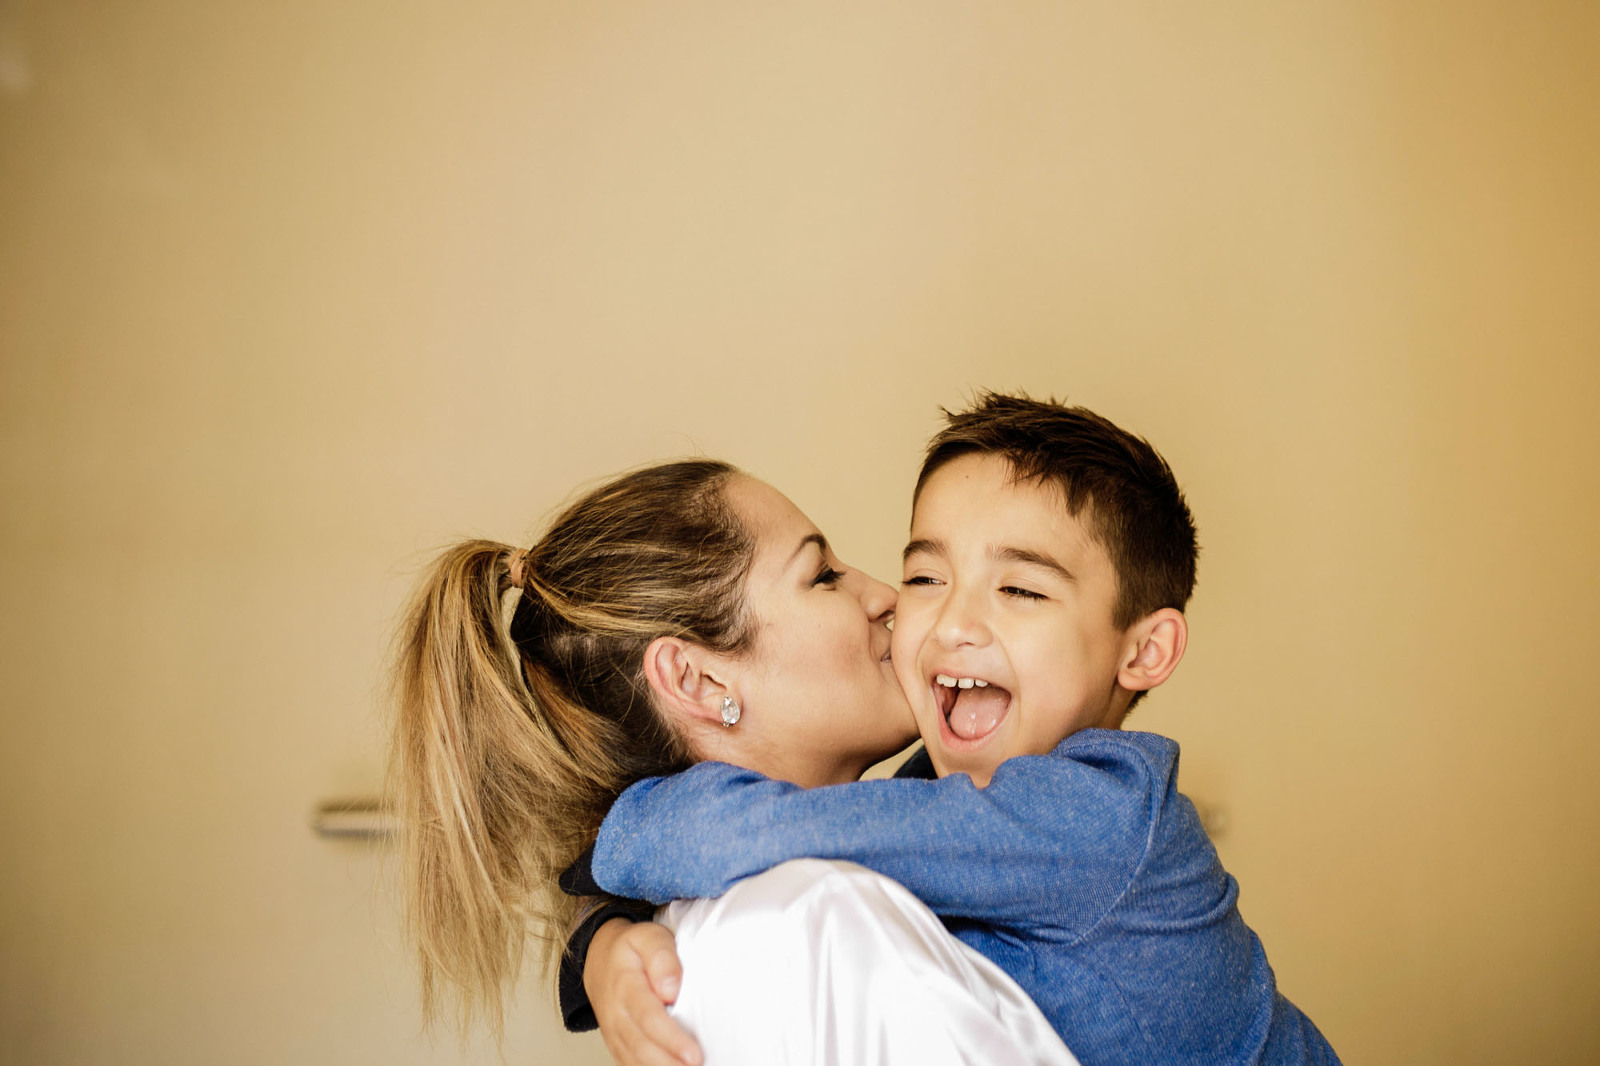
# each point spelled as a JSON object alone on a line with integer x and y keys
{"x": 631, "y": 974}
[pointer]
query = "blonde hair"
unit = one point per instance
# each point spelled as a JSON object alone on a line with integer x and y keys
{"x": 512, "y": 741}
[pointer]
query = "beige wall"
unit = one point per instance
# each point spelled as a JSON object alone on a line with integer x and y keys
{"x": 290, "y": 293}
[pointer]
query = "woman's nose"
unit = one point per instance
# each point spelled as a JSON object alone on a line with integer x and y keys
{"x": 877, "y": 599}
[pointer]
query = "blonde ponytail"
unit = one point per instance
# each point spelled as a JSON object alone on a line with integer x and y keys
{"x": 512, "y": 741}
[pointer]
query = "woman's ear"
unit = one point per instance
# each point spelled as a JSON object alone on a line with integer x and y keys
{"x": 1156, "y": 648}
{"x": 683, "y": 678}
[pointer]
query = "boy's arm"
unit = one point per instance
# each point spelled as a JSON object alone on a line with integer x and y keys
{"x": 1053, "y": 840}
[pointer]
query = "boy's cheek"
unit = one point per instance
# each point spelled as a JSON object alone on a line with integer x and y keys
{"x": 904, "y": 656}
{"x": 906, "y": 676}
{"x": 900, "y": 646}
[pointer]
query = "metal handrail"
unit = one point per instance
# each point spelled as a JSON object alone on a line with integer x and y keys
{"x": 364, "y": 818}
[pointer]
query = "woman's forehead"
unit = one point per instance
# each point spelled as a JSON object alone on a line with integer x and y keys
{"x": 781, "y": 530}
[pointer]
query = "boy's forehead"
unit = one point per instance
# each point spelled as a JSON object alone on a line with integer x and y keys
{"x": 979, "y": 496}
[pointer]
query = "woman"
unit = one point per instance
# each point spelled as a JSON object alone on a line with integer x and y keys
{"x": 681, "y": 612}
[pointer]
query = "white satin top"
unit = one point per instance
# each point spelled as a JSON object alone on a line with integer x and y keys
{"x": 825, "y": 963}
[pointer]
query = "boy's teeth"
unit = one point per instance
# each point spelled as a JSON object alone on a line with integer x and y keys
{"x": 959, "y": 682}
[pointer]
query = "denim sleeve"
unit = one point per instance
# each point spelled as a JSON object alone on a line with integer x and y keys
{"x": 1052, "y": 842}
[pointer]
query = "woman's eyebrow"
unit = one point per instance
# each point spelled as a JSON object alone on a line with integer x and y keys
{"x": 811, "y": 538}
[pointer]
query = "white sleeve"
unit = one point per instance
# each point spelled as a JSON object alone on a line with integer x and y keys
{"x": 825, "y": 963}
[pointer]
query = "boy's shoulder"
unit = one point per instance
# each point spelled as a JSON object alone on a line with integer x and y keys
{"x": 1154, "y": 747}
{"x": 1151, "y": 747}
{"x": 1115, "y": 767}
{"x": 1158, "y": 753}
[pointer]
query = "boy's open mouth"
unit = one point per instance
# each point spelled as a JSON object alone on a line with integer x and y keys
{"x": 972, "y": 707}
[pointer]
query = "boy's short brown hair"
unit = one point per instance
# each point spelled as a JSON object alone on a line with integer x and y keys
{"x": 1135, "y": 508}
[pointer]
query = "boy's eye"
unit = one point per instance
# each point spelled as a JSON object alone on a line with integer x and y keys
{"x": 829, "y": 577}
{"x": 1026, "y": 594}
{"x": 920, "y": 579}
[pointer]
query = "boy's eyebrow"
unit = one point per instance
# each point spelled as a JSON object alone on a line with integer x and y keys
{"x": 930, "y": 546}
{"x": 1033, "y": 558}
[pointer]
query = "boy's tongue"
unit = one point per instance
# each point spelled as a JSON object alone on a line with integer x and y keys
{"x": 977, "y": 711}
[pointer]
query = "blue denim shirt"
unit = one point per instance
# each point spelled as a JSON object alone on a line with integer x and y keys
{"x": 1083, "y": 873}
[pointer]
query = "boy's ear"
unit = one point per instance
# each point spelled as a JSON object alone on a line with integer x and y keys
{"x": 683, "y": 678}
{"x": 1156, "y": 648}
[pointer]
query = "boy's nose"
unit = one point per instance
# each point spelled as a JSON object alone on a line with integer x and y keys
{"x": 960, "y": 622}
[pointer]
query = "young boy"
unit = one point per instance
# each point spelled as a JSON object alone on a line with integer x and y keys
{"x": 1050, "y": 558}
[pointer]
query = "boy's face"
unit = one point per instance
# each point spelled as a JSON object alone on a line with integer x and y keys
{"x": 1009, "y": 595}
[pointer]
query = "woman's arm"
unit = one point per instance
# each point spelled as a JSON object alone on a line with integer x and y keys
{"x": 576, "y": 1012}
{"x": 1054, "y": 840}
{"x": 618, "y": 973}
{"x": 632, "y": 973}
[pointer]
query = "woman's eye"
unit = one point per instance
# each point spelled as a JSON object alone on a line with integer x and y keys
{"x": 829, "y": 577}
{"x": 1025, "y": 594}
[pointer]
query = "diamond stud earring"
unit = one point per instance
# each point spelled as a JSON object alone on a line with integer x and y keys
{"x": 730, "y": 711}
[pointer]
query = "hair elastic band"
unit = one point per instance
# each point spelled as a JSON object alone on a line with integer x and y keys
{"x": 519, "y": 558}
